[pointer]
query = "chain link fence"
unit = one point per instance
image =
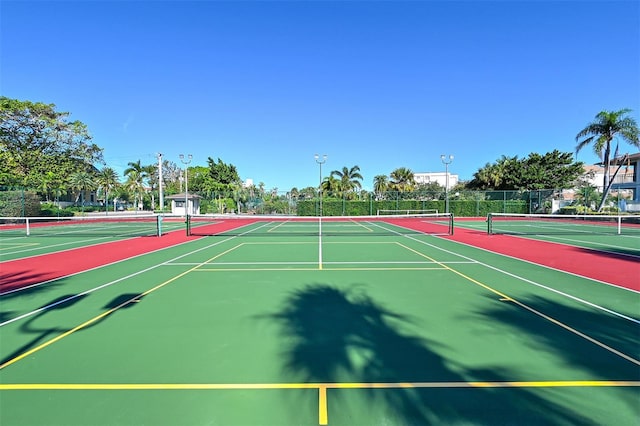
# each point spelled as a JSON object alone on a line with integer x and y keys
{"x": 26, "y": 202}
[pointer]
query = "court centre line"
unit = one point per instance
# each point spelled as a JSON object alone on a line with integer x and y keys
{"x": 320, "y": 243}
{"x": 538, "y": 313}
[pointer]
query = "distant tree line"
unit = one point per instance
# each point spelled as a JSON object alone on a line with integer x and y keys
{"x": 42, "y": 149}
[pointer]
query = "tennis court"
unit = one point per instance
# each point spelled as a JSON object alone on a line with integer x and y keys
{"x": 344, "y": 321}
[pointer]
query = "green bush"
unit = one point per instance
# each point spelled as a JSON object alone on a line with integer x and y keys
{"x": 51, "y": 210}
{"x": 19, "y": 203}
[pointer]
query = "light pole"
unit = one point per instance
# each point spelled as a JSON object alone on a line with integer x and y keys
{"x": 186, "y": 181}
{"x": 320, "y": 163}
{"x": 446, "y": 160}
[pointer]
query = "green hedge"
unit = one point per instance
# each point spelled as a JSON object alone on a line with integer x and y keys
{"x": 19, "y": 203}
{"x": 459, "y": 208}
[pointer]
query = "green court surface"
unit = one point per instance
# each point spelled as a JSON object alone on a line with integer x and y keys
{"x": 295, "y": 328}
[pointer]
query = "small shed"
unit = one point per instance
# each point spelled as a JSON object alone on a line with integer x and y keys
{"x": 179, "y": 201}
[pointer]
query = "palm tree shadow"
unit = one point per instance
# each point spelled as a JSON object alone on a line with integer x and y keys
{"x": 334, "y": 336}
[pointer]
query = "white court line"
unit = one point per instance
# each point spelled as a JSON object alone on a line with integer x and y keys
{"x": 528, "y": 281}
{"x": 416, "y": 262}
{"x": 28, "y": 314}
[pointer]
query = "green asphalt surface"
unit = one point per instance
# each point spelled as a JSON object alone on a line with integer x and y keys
{"x": 246, "y": 330}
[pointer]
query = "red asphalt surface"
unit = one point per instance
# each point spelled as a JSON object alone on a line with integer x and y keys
{"x": 612, "y": 268}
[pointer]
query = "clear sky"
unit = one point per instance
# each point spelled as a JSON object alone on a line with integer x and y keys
{"x": 265, "y": 85}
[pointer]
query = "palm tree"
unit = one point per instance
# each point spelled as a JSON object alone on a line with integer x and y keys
{"x": 82, "y": 181}
{"x": 136, "y": 175}
{"x": 349, "y": 179}
{"x": 601, "y": 132}
{"x": 108, "y": 181}
{"x": 402, "y": 179}
{"x": 330, "y": 185}
{"x": 150, "y": 174}
{"x": 380, "y": 185}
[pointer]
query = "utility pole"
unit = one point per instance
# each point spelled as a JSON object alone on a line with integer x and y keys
{"x": 160, "y": 181}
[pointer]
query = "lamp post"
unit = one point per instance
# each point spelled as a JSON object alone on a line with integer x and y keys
{"x": 186, "y": 181}
{"x": 446, "y": 160}
{"x": 320, "y": 163}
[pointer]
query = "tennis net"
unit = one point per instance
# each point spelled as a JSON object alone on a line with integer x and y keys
{"x": 348, "y": 226}
{"x": 547, "y": 224}
{"x": 121, "y": 226}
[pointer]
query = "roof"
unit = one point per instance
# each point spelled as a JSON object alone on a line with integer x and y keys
{"x": 181, "y": 196}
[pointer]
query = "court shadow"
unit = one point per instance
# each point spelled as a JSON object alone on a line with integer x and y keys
{"x": 18, "y": 280}
{"x": 30, "y": 327}
{"x": 330, "y": 335}
{"x": 604, "y": 358}
{"x": 39, "y": 334}
{"x": 126, "y": 300}
{"x": 610, "y": 252}
{"x": 17, "y": 293}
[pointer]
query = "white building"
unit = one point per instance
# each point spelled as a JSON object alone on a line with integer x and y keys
{"x": 178, "y": 204}
{"x": 438, "y": 177}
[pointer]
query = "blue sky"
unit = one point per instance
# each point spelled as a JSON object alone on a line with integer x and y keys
{"x": 265, "y": 85}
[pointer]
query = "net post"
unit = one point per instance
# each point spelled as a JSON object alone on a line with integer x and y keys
{"x": 27, "y": 223}
{"x": 489, "y": 224}
{"x": 159, "y": 225}
{"x": 188, "y": 222}
{"x": 451, "y": 224}
{"x": 619, "y": 225}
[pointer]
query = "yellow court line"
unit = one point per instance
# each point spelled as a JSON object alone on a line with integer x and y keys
{"x": 360, "y": 224}
{"x": 323, "y": 411}
{"x": 504, "y": 297}
{"x": 106, "y": 313}
{"x": 280, "y": 386}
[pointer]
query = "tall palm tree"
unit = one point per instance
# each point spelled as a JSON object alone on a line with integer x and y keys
{"x": 402, "y": 179}
{"x": 150, "y": 174}
{"x": 136, "y": 175}
{"x": 135, "y": 185}
{"x": 330, "y": 186}
{"x": 601, "y": 132}
{"x": 107, "y": 180}
{"x": 380, "y": 184}
{"x": 82, "y": 181}
{"x": 349, "y": 179}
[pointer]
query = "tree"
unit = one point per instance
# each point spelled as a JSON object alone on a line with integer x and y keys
{"x": 330, "y": 186}
{"x": 107, "y": 180}
{"x": 36, "y": 139}
{"x": 81, "y": 182}
{"x": 380, "y": 185}
{"x": 349, "y": 179}
{"x": 226, "y": 175}
{"x": 402, "y": 179}
{"x": 553, "y": 170}
{"x": 601, "y": 132}
{"x": 136, "y": 175}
